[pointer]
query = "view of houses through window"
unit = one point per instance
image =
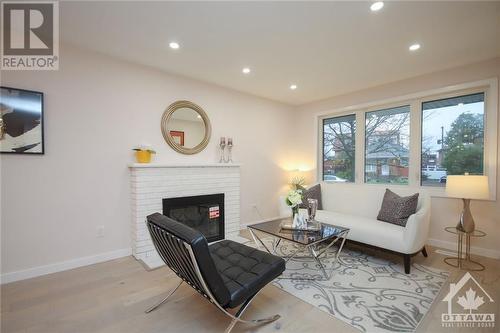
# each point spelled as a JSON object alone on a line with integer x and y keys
{"x": 452, "y": 138}
{"x": 452, "y": 142}
{"x": 387, "y": 150}
{"x": 338, "y": 148}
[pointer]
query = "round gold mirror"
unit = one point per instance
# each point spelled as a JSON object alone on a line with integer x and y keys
{"x": 186, "y": 127}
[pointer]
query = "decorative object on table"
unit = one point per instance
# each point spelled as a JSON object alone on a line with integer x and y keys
{"x": 293, "y": 200}
{"x": 143, "y": 154}
{"x": 21, "y": 121}
{"x": 312, "y": 207}
{"x": 189, "y": 119}
{"x": 396, "y": 209}
{"x": 463, "y": 259}
{"x": 178, "y": 137}
{"x": 467, "y": 187}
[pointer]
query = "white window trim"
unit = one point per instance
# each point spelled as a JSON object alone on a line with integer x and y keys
{"x": 490, "y": 88}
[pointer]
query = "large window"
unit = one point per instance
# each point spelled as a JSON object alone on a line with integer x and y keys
{"x": 452, "y": 138}
{"x": 387, "y": 150}
{"x": 338, "y": 148}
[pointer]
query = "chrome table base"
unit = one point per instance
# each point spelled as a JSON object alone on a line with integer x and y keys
{"x": 463, "y": 259}
{"x": 313, "y": 249}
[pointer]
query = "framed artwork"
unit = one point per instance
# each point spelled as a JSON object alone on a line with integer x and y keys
{"x": 178, "y": 137}
{"x": 21, "y": 121}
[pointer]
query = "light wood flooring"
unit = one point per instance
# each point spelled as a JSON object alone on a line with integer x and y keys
{"x": 112, "y": 297}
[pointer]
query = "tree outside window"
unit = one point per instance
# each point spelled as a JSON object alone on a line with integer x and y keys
{"x": 338, "y": 148}
{"x": 452, "y": 138}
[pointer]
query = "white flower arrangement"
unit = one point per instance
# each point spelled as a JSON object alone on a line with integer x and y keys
{"x": 294, "y": 198}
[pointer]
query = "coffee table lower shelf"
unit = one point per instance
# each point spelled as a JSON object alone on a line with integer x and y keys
{"x": 317, "y": 249}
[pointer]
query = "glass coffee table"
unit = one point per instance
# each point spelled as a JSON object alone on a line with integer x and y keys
{"x": 316, "y": 242}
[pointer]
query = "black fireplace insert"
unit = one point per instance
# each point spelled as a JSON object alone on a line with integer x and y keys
{"x": 202, "y": 212}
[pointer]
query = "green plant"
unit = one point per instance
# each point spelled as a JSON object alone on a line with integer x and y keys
{"x": 141, "y": 149}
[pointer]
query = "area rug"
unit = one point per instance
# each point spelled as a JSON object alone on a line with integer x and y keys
{"x": 369, "y": 293}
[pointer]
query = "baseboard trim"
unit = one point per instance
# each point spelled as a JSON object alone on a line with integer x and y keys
{"x": 63, "y": 266}
{"x": 480, "y": 251}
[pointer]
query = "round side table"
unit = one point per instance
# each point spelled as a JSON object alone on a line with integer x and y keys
{"x": 463, "y": 260}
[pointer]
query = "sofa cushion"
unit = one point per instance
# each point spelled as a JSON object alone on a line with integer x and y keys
{"x": 244, "y": 270}
{"x": 313, "y": 192}
{"x": 396, "y": 209}
{"x": 367, "y": 230}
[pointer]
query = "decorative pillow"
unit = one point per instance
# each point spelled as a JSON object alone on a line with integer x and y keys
{"x": 396, "y": 209}
{"x": 313, "y": 192}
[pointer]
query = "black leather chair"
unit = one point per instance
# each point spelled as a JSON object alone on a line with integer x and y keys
{"x": 226, "y": 273}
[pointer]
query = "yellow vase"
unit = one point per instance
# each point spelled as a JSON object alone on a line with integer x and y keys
{"x": 143, "y": 156}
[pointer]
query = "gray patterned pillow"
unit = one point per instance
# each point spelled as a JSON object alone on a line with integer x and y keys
{"x": 396, "y": 209}
{"x": 313, "y": 192}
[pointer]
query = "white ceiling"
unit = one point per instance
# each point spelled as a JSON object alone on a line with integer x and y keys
{"x": 326, "y": 48}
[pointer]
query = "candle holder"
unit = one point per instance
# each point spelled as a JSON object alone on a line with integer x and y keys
{"x": 222, "y": 146}
{"x": 229, "y": 158}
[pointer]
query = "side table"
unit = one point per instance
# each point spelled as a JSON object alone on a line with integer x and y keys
{"x": 463, "y": 260}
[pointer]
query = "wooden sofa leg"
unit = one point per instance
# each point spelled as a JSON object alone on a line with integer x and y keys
{"x": 424, "y": 252}
{"x": 407, "y": 261}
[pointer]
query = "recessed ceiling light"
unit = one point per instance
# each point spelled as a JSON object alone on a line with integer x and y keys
{"x": 376, "y": 6}
{"x": 198, "y": 116}
{"x": 414, "y": 47}
{"x": 174, "y": 45}
{"x": 293, "y": 86}
{"x": 246, "y": 70}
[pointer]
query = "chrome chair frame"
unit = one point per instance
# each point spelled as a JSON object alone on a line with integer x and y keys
{"x": 185, "y": 266}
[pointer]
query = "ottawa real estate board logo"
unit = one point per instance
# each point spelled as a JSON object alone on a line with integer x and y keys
{"x": 466, "y": 302}
{"x": 30, "y": 35}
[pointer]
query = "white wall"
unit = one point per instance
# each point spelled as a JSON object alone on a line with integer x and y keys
{"x": 444, "y": 211}
{"x": 97, "y": 109}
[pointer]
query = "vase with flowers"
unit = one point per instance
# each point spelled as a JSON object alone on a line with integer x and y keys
{"x": 293, "y": 200}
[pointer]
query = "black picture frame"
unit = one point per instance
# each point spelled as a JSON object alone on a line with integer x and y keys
{"x": 42, "y": 121}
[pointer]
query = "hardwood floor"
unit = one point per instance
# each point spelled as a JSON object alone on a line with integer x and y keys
{"x": 112, "y": 297}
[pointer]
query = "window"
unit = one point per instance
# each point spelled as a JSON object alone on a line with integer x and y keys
{"x": 387, "y": 150}
{"x": 338, "y": 148}
{"x": 452, "y": 138}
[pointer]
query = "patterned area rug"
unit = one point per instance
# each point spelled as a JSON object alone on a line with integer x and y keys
{"x": 371, "y": 294}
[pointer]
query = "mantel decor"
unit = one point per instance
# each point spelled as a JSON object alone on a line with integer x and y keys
{"x": 186, "y": 127}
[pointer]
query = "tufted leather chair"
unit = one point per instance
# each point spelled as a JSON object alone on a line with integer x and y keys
{"x": 227, "y": 273}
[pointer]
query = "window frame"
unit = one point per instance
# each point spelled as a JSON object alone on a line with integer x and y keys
{"x": 490, "y": 89}
{"x": 322, "y": 161}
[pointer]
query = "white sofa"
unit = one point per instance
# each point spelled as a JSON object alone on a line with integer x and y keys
{"x": 361, "y": 218}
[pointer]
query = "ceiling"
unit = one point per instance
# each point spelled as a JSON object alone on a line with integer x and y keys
{"x": 325, "y": 48}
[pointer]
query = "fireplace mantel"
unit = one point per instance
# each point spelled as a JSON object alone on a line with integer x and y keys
{"x": 151, "y": 183}
{"x": 170, "y": 165}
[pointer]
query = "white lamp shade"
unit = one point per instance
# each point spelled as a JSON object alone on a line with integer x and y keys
{"x": 467, "y": 187}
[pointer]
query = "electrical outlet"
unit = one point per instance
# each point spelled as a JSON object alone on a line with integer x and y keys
{"x": 100, "y": 231}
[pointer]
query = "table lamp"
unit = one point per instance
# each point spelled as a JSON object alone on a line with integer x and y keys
{"x": 467, "y": 187}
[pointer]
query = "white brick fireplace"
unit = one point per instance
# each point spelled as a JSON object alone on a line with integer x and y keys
{"x": 150, "y": 183}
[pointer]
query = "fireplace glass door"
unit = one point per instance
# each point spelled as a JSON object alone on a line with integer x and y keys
{"x": 203, "y": 212}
